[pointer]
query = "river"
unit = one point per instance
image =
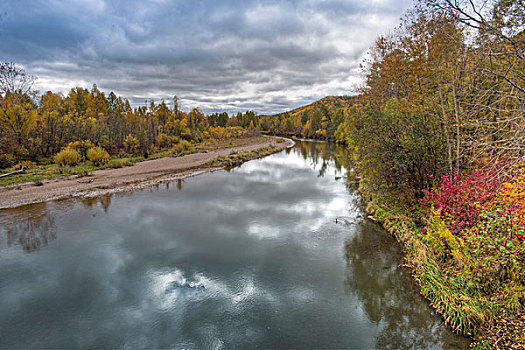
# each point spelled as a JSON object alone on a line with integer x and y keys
{"x": 246, "y": 258}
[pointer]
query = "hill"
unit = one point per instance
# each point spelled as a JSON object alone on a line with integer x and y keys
{"x": 328, "y": 103}
{"x": 320, "y": 119}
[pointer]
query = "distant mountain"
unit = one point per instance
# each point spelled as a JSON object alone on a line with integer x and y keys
{"x": 330, "y": 103}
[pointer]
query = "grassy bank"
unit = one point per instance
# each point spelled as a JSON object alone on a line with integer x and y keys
{"x": 237, "y": 158}
{"x": 204, "y": 157}
{"x": 493, "y": 316}
{"x": 48, "y": 170}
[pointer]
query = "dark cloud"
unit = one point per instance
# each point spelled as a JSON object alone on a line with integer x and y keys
{"x": 235, "y": 55}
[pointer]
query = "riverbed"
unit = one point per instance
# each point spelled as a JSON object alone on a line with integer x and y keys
{"x": 251, "y": 257}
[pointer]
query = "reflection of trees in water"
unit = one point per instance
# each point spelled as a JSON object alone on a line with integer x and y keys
{"x": 166, "y": 185}
{"x": 342, "y": 157}
{"x": 311, "y": 150}
{"x": 323, "y": 168}
{"x": 388, "y": 295}
{"x": 32, "y": 228}
{"x": 325, "y": 153}
{"x": 105, "y": 202}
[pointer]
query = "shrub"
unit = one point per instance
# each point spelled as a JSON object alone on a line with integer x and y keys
{"x": 80, "y": 146}
{"x": 21, "y": 152}
{"x": 98, "y": 155}
{"x": 460, "y": 201}
{"x": 512, "y": 194}
{"x": 498, "y": 248}
{"x": 221, "y": 133}
{"x": 165, "y": 141}
{"x": 443, "y": 242}
{"x": 6, "y": 160}
{"x": 67, "y": 157}
{"x": 27, "y": 164}
{"x": 119, "y": 163}
{"x": 183, "y": 147}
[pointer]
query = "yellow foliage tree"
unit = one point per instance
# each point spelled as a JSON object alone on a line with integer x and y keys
{"x": 17, "y": 117}
{"x": 513, "y": 194}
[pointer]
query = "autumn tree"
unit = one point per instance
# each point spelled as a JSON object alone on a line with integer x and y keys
{"x": 17, "y": 109}
{"x": 17, "y": 117}
{"x": 496, "y": 81}
{"x": 409, "y": 129}
{"x": 53, "y": 126}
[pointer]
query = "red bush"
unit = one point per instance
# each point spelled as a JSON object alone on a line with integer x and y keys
{"x": 460, "y": 201}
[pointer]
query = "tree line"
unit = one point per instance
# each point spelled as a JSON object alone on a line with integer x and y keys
{"x": 36, "y": 128}
{"x": 442, "y": 95}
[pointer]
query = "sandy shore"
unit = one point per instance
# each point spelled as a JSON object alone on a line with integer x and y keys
{"x": 140, "y": 175}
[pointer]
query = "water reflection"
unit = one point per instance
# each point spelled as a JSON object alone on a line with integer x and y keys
{"x": 33, "y": 227}
{"x": 373, "y": 268}
{"x": 104, "y": 201}
{"x": 326, "y": 153}
{"x": 249, "y": 258}
{"x": 32, "y": 230}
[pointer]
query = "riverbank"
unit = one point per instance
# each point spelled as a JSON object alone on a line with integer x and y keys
{"x": 490, "y": 322}
{"x": 139, "y": 175}
{"x": 460, "y": 313}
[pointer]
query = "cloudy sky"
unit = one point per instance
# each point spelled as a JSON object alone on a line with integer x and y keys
{"x": 232, "y": 55}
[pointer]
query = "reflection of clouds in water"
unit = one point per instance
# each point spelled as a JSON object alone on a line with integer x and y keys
{"x": 313, "y": 216}
{"x": 269, "y": 195}
{"x": 176, "y": 293}
{"x": 174, "y": 290}
{"x": 263, "y": 231}
{"x": 294, "y": 195}
{"x": 289, "y": 162}
{"x": 337, "y": 204}
{"x": 211, "y": 334}
{"x": 211, "y": 266}
{"x": 245, "y": 294}
{"x": 113, "y": 260}
{"x": 301, "y": 294}
{"x": 282, "y": 164}
{"x": 247, "y": 291}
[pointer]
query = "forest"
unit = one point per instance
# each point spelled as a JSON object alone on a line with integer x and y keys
{"x": 87, "y": 129}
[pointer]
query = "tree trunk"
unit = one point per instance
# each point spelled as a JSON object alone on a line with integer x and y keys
{"x": 445, "y": 125}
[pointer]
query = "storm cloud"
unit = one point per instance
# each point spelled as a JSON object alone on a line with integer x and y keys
{"x": 232, "y": 55}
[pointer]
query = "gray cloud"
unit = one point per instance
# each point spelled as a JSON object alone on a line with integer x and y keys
{"x": 231, "y": 55}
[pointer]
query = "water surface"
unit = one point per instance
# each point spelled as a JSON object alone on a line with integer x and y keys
{"x": 250, "y": 258}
